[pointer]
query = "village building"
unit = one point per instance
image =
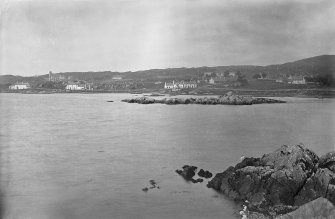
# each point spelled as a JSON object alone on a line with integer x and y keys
{"x": 19, "y": 86}
{"x": 180, "y": 85}
{"x": 221, "y": 79}
{"x": 74, "y": 86}
{"x": 279, "y": 80}
{"x": 169, "y": 85}
{"x": 207, "y": 75}
{"x": 58, "y": 77}
{"x": 117, "y": 78}
{"x": 232, "y": 74}
{"x": 297, "y": 79}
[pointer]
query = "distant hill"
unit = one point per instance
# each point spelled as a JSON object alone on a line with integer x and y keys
{"x": 9, "y": 79}
{"x": 322, "y": 65}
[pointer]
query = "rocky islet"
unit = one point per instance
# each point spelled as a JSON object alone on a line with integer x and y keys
{"x": 227, "y": 99}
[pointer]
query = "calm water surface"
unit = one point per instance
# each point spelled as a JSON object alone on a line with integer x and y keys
{"x": 78, "y": 156}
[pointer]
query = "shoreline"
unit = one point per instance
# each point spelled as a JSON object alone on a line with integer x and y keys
{"x": 299, "y": 93}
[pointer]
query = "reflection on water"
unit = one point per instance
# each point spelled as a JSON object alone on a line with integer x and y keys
{"x": 78, "y": 156}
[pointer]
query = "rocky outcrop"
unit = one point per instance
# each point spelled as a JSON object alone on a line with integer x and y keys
{"x": 272, "y": 184}
{"x": 205, "y": 174}
{"x": 328, "y": 161}
{"x": 320, "y": 184}
{"x": 188, "y": 172}
{"x": 228, "y": 99}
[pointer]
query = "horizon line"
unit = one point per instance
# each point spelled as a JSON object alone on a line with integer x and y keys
{"x": 122, "y": 72}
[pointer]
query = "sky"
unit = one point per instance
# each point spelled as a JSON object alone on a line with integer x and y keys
{"x": 38, "y": 36}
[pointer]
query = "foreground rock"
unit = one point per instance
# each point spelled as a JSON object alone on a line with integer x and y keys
{"x": 278, "y": 182}
{"x": 228, "y": 99}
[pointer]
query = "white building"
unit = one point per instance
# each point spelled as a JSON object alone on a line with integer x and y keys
{"x": 117, "y": 78}
{"x": 169, "y": 85}
{"x": 232, "y": 74}
{"x": 297, "y": 80}
{"x": 74, "y": 87}
{"x": 180, "y": 85}
{"x": 19, "y": 86}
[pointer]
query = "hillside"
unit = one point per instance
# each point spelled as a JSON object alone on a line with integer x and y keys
{"x": 322, "y": 65}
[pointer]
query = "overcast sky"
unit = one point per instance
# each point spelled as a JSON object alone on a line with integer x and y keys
{"x": 89, "y": 35}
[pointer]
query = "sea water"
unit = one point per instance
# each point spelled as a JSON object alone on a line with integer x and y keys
{"x": 79, "y": 156}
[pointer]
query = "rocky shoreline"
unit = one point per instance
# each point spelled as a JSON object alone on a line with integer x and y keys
{"x": 291, "y": 182}
{"x": 279, "y": 182}
{"x": 227, "y": 99}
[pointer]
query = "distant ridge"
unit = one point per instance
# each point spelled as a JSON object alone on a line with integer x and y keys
{"x": 322, "y": 65}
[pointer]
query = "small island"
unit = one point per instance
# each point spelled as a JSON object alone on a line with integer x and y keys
{"x": 227, "y": 99}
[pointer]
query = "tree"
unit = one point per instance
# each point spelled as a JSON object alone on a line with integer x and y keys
{"x": 226, "y": 73}
{"x": 256, "y": 76}
{"x": 242, "y": 79}
{"x": 326, "y": 80}
{"x": 213, "y": 75}
{"x": 264, "y": 75}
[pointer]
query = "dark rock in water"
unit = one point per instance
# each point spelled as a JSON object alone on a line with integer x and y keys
{"x": 318, "y": 208}
{"x": 289, "y": 176}
{"x": 206, "y": 174}
{"x": 153, "y": 184}
{"x": 197, "y": 180}
{"x": 110, "y": 101}
{"x": 188, "y": 172}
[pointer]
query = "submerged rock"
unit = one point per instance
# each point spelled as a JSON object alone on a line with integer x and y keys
{"x": 153, "y": 184}
{"x": 278, "y": 181}
{"x": 197, "y": 180}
